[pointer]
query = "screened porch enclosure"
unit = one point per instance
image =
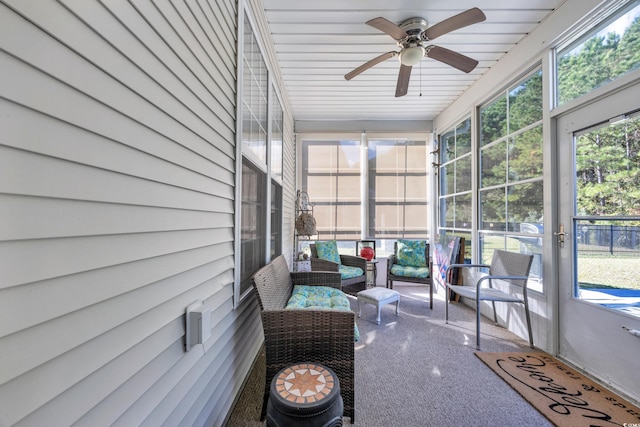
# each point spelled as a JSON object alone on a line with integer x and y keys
{"x": 368, "y": 188}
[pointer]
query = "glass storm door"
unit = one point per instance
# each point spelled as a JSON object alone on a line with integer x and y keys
{"x": 598, "y": 238}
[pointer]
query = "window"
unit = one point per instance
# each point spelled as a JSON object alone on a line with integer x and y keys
{"x": 609, "y": 51}
{"x": 607, "y": 218}
{"x": 276, "y": 175}
{"x": 456, "y": 184}
{"x": 455, "y": 177}
{"x": 331, "y": 176}
{"x": 276, "y": 220}
{"x": 276, "y": 136}
{"x": 252, "y": 232}
{"x": 511, "y": 177}
{"x": 397, "y": 189}
{"x": 254, "y": 97}
{"x": 395, "y": 202}
{"x": 262, "y": 173}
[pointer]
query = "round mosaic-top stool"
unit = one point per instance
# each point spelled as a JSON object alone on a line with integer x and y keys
{"x": 305, "y": 394}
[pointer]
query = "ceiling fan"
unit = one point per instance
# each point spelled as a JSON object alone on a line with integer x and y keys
{"x": 412, "y": 36}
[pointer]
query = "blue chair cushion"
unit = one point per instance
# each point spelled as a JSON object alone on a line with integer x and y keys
{"x": 348, "y": 272}
{"x": 320, "y": 298}
{"x": 328, "y": 251}
{"x": 408, "y": 271}
{"x": 410, "y": 253}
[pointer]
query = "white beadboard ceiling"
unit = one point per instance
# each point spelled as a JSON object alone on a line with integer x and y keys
{"x": 318, "y": 42}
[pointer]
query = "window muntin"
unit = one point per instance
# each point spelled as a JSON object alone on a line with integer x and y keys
{"x": 609, "y": 51}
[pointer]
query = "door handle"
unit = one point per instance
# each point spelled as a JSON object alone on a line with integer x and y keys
{"x": 560, "y": 234}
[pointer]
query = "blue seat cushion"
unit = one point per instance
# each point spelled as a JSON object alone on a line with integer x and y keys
{"x": 407, "y": 271}
{"x": 306, "y": 297}
{"x": 348, "y": 272}
{"x": 411, "y": 253}
{"x": 328, "y": 251}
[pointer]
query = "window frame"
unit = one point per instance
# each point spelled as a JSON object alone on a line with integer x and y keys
{"x": 586, "y": 32}
{"x": 363, "y": 139}
{"x": 271, "y": 229}
{"x": 483, "y": 189}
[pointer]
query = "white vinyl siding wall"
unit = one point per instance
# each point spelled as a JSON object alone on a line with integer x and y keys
{"x": 117, "y": 186}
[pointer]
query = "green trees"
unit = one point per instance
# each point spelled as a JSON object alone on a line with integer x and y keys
{"x": 608, "y": 170}
{"x": 599, "y": 60}
{"x": 607, "y": 158}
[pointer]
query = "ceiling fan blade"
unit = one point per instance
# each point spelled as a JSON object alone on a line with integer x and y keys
{"x": 403, "y": 80}
{"x": 449, "y": 57}
{"x": 369, "y": 64}
{"x": 468, "y": 17}
{"x": 388, "y": 27}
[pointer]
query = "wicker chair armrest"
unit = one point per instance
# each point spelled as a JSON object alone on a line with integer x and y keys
{"x": 354, "y": 261}
{"x": 391, "y": 259}
{"x": 319, "y": 264}
{"x": 317, "y": 278}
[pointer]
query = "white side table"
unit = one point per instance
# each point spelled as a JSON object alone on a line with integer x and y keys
{"x": 372, "y": 273}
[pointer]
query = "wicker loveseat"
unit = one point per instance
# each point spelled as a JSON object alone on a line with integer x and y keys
{"x": 321, "y": 336}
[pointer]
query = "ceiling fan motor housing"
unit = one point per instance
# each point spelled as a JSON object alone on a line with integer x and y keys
{"x": 414, "y": 26}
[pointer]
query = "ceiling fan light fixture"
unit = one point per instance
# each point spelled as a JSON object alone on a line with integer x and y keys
{"x": 410, "y": 56}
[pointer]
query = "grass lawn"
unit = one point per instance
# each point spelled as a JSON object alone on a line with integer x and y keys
{"x": 609, "y": 271}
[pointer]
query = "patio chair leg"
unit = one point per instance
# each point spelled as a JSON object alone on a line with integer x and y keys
{"x": 526, "y": 312}
{"x": 431, "y": 295}
{"x": 495, "y": 314}
{"x": 446, "y": 305}
{"x": 478, "y": 324}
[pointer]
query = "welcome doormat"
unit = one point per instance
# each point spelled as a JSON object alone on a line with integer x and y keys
{"x": 561, "y": 394}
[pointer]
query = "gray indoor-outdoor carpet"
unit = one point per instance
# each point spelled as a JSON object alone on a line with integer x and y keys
{"x": 413, "y": 370}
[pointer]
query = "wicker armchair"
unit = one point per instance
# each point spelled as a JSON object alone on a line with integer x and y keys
{"x": 391, "y": 277}
{"x": 350, "y": 286}
{"x": 321, "y": 336}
